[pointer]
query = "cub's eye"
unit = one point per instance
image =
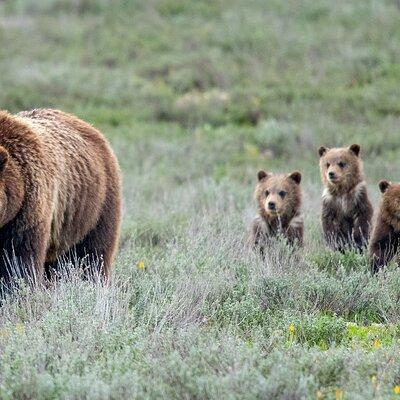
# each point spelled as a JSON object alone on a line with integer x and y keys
{"x": 328, "y": 165}
{"x": 282, "y": 194}
{"x": 341, "y": 164}
{"x": 266, "y": 193}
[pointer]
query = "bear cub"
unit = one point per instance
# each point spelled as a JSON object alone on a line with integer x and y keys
{"x": 385, "y": 237}
{"x": 346, "y": 208}
{"x": 278, "y": 197}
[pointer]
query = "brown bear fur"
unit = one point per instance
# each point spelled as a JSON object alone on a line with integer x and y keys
{"x": 60, "y": 191}
{"x": 346, "y": 208}
{"x": 282, "y": 190}
{"x": 385, "y": 237}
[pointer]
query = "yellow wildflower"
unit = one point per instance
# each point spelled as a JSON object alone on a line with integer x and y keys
{"x": 256, "y": 100}
{"x": 373, "y": 379}
{"x": 377, "y": 343}
{"x": 338, "y": 394}
{"x": 140, "y": 264}
{"x": 19, "y": 328}
{"x": 396, "y": 389}
{"x": 292, "y": 329}
{"x": 252, "y": 151}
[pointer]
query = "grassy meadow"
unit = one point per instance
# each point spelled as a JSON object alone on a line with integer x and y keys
{"x": 195, "y": 97}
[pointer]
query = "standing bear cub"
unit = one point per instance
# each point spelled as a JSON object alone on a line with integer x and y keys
{"x": 60, "y": 193}
{"x": 346, "y": 208}
{"x": 385, "y": 238}
{"x": 278, "y": 197}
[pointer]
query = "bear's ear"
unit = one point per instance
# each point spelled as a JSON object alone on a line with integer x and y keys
{"x": 3, "y": 158}
{"x": 295, "y": 177}
{"x": 355, "y": 148}
{"x": 262, "y": 175}
{"x": 384, "y": 185}
{"x": 322, "y": 150}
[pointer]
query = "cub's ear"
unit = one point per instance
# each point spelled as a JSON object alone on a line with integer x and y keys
{"x": 262, "y": 175}
{"x": 355, "y": 148}
{"x": 296, "y": 177}
{"x": 3, "y": 158}
{"x": 384, "y": 185}
{"x": 322, "y": 150}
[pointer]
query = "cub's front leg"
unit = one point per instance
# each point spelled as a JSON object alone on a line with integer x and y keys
{"x": 362, "y": 224}
{"x": 257, "y": 237}
{"x": 295, "y": 232}
{"x": 383, "y": 245}
{"x": 331, "y": 227}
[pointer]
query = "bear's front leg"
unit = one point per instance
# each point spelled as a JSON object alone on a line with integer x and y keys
{"x": 26, "y": 253}
{"x": 257, "y": 236}
{"x": 362, "y": 223}
{"x": 383, "y": 245}
{"x": 379, "y": 254}
{"x": 295, "y": 232}
{"x": 331, "y": 227}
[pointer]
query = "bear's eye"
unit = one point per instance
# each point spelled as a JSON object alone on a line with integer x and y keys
{"x": 341, "y": 164}
{"x": 266, "y": 193}
{"x": 282, "y": 193}
{"x": 328, "y": 165}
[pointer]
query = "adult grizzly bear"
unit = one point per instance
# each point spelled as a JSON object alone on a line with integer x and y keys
{"x": 60, "y": 191}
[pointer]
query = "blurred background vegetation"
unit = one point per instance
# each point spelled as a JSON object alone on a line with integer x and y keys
{"x": 267, "y": 81}
{"x": 195, "y": 96}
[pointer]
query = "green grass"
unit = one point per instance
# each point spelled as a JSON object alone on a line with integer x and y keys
{"x": 195, "y": 97}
